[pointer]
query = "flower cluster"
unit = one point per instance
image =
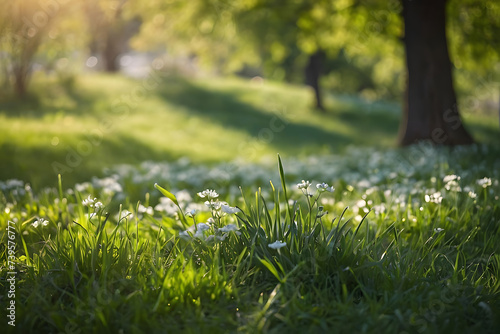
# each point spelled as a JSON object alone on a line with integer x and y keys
{"x": 210, "y": 194}
{"x": 304, "y": 185}
{"x": 92, "y": 203}
{"x": 452, "y": 183}
{"x": 324, "y": 187}
{"x": 434, "y": 198}
{"x": 485, "y": 182}
{"x": 208, "y": 232}
{"x": 40, "y": 222}
{"x": 214, "y": 204}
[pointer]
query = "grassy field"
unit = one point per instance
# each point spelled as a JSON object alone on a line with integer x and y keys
{"x": 100, "y": 121}
{"x": 345, "y": 234}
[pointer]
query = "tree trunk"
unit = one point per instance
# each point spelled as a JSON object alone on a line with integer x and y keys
{"x": 313, "y": 73}
{"x": 20, "y": 81}
{"x": 111, "y": 52}
{"x": 431, "y": 111}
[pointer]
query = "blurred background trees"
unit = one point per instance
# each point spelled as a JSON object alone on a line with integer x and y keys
{"x": 343, "y": 46}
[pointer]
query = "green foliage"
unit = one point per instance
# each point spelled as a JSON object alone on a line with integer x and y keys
{"x": 419, "y": 265}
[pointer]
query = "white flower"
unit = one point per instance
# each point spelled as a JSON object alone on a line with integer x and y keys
{"x": 89, "y": 201}
{"x": 213, "y": 205}
{"x": 210, "y": 221}
{"x": 229, "y": 228}
{"x": 109, "y": 185}
{"x": 324, "y": 187}
{"x": 277, "y": 245}
{"x": 81, "y": 187}
{"x": 202, "y": 226}
{"x": 229, "y": 209}
{"x": 126, "y": 214}
{"x": 434, "y": 198}
{"x": 191, "y": 213}
{"x": 438, "y": 230}
{"x": 453, "y": 185}
{"x": 361, "y": 203}
{"x": 183, "y": 196}
{"x": 303, "y": 184}
{"x": 166, "y": 205}
{"x": 484, "y": 182}
{"x": 211, "y": 194}
{"x": 39, "y": 222}
{"x": 449, "y": 178}
{"x": 200, "y": 229}
{"x": 143, "y": 209}
{"x": 92, "y": 203}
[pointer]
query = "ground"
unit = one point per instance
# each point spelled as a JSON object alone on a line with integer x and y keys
{"x": 342, "y": 232}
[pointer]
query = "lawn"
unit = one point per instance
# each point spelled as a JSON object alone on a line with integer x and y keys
{"x": 100, "y": 121}
{"x": 342, "y": 233}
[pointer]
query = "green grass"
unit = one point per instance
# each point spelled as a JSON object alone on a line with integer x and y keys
{"x": 411, "y": 266}
{"x": 101, "y": 120}
{"x": 400, "y": 245}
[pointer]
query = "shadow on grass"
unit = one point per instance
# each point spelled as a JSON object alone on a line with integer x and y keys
{"x": 279, "y": 130}
{"x": 40, "y": 165}
{"x": 52, "y": 97}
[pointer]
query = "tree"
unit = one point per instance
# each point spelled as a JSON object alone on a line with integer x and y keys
{"x": 23, "y": 28}
{"x": 111, "y": 25}
{"x": 430, "y": 111}
{"x": 31, "y": 31}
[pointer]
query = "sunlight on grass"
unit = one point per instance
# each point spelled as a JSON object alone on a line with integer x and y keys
{"x": 382, "y": 235}
{"x": 106, "y": 120}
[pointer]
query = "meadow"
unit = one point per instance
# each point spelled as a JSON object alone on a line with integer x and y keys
{"x": 174, "y": 213}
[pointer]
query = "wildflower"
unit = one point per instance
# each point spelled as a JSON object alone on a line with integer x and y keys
{"x": 191, "y": 213}
{"x": 472, "y": 194}
{"x": 98, "y": 205}
{"x": 277, "y": 245}
{"x": 202, "y": 226}
{"x": 166, "y": 205}
{"x": 199, "y": 234}
{"x": 213, "y": 205}
{"x": 183, "y": 196}
{"x": 125, "y": 214}
{"x": 452, "y": 183}
{"x": 143, "y": 209}
{"x": 89, "y": 201}
{"x": 485, "y": 182}
{"x": 210, "y": 194}
{"x": 39, "y": 222}
{"x": 109, "y": 185}
{"x": 361, "y": 203}
{"x": 434, "y": 198}
{"x": 81, "y": 187}
{"x": 229, "y": 228}
{"x": 324, "y": 187}
{"x": 229, "y": 209}
{"x": 303, "y": 184}
{"x": 449, "y": 178}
